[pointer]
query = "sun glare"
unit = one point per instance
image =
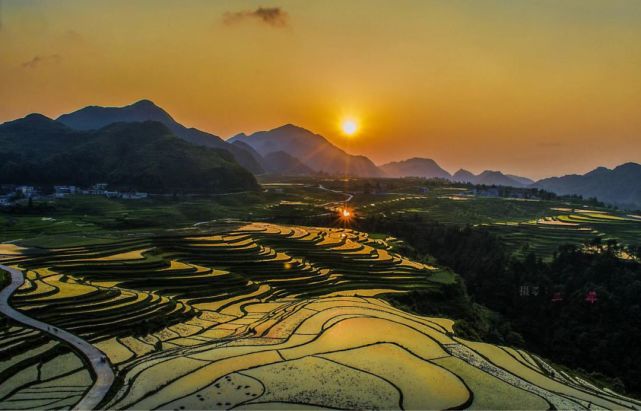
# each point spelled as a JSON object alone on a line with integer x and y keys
{"x": 349, "y": 126}
{"x": 345, "y": 213}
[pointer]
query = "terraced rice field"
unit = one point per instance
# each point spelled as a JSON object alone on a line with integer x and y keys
{"x": 544, "y": 235}
{"x": 523, "y": 225}
{"x": 259, "y": 316}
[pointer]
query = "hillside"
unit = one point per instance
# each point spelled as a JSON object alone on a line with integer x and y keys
{"x": 489, "y": 177}
{"x": 523, "y": 180}
{"x": 96, "y": 117}
{"x": 428, "y": 168}
{"x": 279, "y": 162}
{"x": 35, "y": 136}
{"x": 258, "y": 315}
{"x": 143, "y": 156}
{"x": 415, "y": 167}
{"x": 463, "y": 176}
{"x": 311, "y": 149}
{"x": 620, "y": 185}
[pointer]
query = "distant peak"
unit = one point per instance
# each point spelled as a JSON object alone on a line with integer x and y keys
{"x": 291, "y": 127}
{"x": 628, "y": 165}
{"x": 491, "y": 172}
{"x": 598, "y": 170}
{"x": 35, "y": 121}
{"x": 422, "y": 159}
{"x": 144, "y": 103}
{"x": 37, "y": 117}
{"x": 148, "y": 106}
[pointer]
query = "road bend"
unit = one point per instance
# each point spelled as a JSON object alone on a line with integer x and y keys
{"x": 104, "y": 375}
{"x": 348, "y": 196}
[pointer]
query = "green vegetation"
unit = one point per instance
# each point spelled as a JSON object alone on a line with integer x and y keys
{"x": 598, "y": 337}
{"x": 259, "y": 314}
{"x": 128, "y": 156}
{"x": 78, "y": 220}
{"x": 200, "y": 309}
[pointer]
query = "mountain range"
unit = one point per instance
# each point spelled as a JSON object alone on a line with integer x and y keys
{"x": 312, "y": 150}
{"x": 39, "y": 148}
{"x": 620, "y": 185}
{"x": 415, "y": 167}
{"x": 489, "y": 177}
{"x": 428, "y": 168}
{"x": 285, "y": 150}
{"x": 129, "y": 156}
{"x": 96, "y": 117}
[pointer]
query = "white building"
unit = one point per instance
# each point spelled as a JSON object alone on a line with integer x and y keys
{"x": 134, "y": 196}
{"x": 62, "y": 191}
{"x": 27, "y": 191}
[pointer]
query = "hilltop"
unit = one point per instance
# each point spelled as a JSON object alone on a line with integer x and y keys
{"x": 312, "y": 150}
{"x": 145, "y": 156}
{"x": 96, "y": 117}
{"x": 415, "y": 167}
{"x": 620, "y": 185}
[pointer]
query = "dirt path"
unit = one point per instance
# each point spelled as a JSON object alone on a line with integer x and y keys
{"x": 99, "y": 362}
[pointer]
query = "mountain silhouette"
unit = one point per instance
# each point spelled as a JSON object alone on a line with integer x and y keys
{"x": 415, "y": 167}
{"x": 35, "y": 136}
{"x": 523, "y": 180}
{"x": 312, "y": 150}
{"x": 279, "y": 162}
{"x": 463, "y": 176}
{"x": 29, "y": 145}
{"x": 489, "y": 177}
{"x": 620, "y": 186}
{"x": 140, "y": 156}
{"x": 96, "y": 117}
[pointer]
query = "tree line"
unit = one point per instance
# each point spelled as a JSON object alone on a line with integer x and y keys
{"x": 582, "y": 308}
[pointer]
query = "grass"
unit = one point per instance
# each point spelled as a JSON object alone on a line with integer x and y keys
{"x": 83, "y": 220}
{"x": 544, "y": 237}
{"x": 524, "y": 226}
{"x": 439, "y": 205}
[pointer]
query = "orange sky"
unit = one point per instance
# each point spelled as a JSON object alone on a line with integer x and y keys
{"x": 536, "y": 88}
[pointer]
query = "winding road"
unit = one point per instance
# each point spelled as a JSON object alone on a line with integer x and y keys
{"x": 104, "y": 375}
{"x": 349, "y": 196}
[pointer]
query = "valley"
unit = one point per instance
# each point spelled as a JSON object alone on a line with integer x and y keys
{"x": 225, "y": 313}
{"x": 312, "y": 205}
{"x": 251, "y": 316}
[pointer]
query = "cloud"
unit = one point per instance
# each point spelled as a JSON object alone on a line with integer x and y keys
{"x": 272, "y": 16}
{"x": 37, "y": 61}
{"x": 73, "y": 36}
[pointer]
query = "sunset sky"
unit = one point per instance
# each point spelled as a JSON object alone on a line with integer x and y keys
{"x": 535, "y": 88}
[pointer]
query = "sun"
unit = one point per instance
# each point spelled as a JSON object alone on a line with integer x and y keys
{"x": 349, "y": 126}
{"x": 345, "y": 213}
